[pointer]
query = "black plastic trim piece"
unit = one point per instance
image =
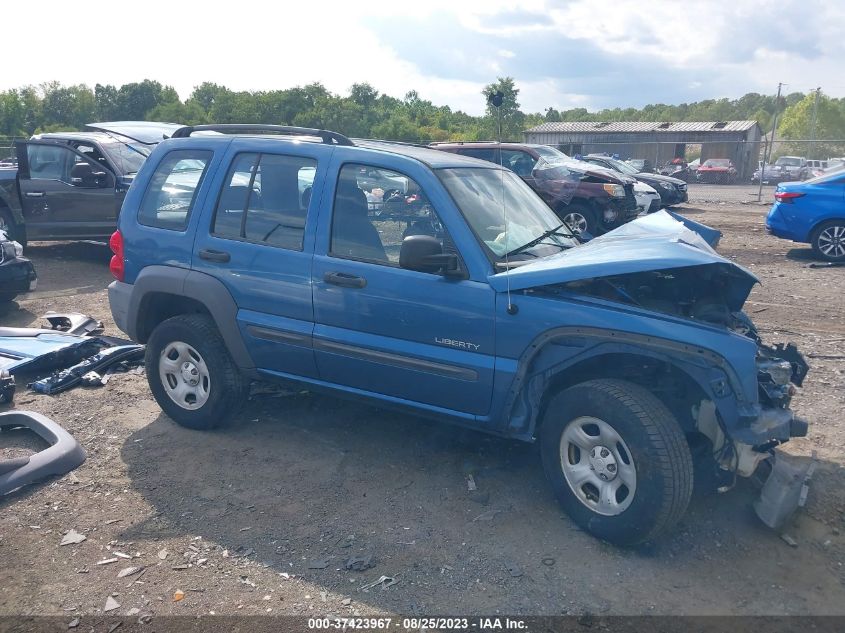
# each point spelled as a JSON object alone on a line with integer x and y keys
{"x": 269, "y": 334}
{"x": 395, "y": 360}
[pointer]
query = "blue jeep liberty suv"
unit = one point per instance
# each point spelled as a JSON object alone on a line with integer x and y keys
{"x": 444, "y": 286}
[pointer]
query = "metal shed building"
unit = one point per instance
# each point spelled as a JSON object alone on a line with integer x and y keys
{"x": 658, "y": 142}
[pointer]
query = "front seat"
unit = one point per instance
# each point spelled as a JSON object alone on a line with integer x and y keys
{"x": 353, "y": 235}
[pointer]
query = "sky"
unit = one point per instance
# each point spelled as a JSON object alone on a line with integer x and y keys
{"x": 565, "y": 54}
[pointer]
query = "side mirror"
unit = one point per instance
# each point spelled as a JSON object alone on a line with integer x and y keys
{"x": 424, "y": 254}
{"x": 83, "y": 175}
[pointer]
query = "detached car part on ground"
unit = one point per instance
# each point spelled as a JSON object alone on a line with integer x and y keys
{"x": 17, "y": 273}
{"x": 589, "y": 199}
{"x": 63, "y": 455}
{"x": 628, "y": 358}
{"x": 812, "y": 212}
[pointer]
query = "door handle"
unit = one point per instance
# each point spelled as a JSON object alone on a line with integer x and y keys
{"x": 210, "y": 255}
{"x": 34, "y": 194}
{"x": 344, "y": 280}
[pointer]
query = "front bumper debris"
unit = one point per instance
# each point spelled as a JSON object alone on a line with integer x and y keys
{"x": 785, "y": 489}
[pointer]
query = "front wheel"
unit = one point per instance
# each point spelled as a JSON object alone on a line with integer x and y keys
{"x": 617, "y": 460}
{"x": 579, "y": 219}
{"x": 828, "y": 241}
{"x": 191, "y": 374}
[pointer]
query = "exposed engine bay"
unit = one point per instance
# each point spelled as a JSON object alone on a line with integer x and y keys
{"x": 704, "y": 293}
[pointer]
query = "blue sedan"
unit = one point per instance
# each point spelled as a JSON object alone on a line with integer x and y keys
{"x": 812, "y": 212}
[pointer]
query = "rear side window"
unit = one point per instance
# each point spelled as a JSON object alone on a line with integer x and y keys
{"x": 173, "y": 189}
{"x": 486, "y": 153}
{"x": 265, "y": 199}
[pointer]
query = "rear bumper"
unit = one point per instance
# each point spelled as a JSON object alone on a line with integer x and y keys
{"x": 776, "y": 225}
{"x": 17, "y": 276}
{"x": 119, "y": 295}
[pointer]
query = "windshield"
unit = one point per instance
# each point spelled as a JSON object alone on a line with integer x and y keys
{"x": 478, "y": 194}
{"x": 127, "y": 157}
{"x": 788, "y": 161}
{"x": 717, "y": 162}
{"x": 618, "y": 165}
{"x": 550, "y": 153}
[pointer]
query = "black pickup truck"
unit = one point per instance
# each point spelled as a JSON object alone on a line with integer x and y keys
{"x": 70, "y": 185}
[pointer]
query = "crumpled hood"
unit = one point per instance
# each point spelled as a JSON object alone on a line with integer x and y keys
{"x": 654, "y": 242}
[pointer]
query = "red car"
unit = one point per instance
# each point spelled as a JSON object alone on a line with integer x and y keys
{"x": 717, "y": 170}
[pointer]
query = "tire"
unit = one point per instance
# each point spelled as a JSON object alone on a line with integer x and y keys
{"x": 578, "y": 218}
{"x": 828, "y": 240}
{"x": 651, "y": 460}
{"x": 10, "y": 227}
{"x": 189, "y": 348}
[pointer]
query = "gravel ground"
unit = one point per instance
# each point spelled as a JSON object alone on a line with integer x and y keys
{"x": 262, "y": 516}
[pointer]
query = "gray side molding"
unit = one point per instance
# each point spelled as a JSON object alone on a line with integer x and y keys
{"x": 200, "y": 287}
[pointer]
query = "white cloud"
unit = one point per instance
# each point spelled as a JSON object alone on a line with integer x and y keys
{"x": 721, "y": 49}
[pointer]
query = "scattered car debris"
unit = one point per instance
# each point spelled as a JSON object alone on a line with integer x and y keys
{"x": 360, "y": 563}
{"x": 63, "y": 455}
{"x": 321, "y": 563}
{"x": 785, "y": 490}
{"x": 178, "y": 595}
{"x": 128, "y": 571}
{"x": 384, "y": 581}
{"x": 163, "y": 554}
{"x": 346, "y": 602}
{"x": 73, "y": 623}
{"x": 111, "y": 604}
{"x": 107, "y": 561}
{"x": 34, "y": 350}
{"x": 72, "y": 376}
{"x": 7, "y": 387}
{"x": 514, "y": 569}
{"x": 786, "y": 538}
{"x": 73, "y": 323}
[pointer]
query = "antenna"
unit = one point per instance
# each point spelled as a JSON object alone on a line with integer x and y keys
{"x": 496, "y": 99}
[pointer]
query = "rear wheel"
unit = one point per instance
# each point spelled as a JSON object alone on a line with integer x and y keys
{"x": 191, "y": 374}
{"x": 617, "y": 460}
{"x": 828, "y": 241}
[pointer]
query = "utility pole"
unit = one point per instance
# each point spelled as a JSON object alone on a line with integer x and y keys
{"x": 812, "y": 152}
{"x": 767, "y": 154}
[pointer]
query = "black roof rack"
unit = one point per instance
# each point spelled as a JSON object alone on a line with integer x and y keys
{"x": 328, "y": 137}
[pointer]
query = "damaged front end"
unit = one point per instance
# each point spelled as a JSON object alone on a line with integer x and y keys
{"x": 667, "y": 300}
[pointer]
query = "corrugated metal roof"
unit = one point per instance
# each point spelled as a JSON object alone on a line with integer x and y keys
{"x": 608, "y": 127}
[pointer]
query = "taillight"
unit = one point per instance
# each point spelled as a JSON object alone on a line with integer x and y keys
{"x": 116, "y": 266}
{"x": 787, "y": 196}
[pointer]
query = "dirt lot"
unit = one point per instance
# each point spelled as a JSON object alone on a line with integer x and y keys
{"x": 240, "y": 519}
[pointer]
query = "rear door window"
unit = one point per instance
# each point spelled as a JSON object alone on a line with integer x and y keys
{"x": 266, "y": 199}
{"x": 172, "y": 190}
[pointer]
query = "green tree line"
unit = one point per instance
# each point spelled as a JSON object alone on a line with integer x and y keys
{"x": 365, "y": 112}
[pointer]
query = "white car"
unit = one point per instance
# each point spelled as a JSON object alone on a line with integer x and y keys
{"x": 648, "y": 200}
